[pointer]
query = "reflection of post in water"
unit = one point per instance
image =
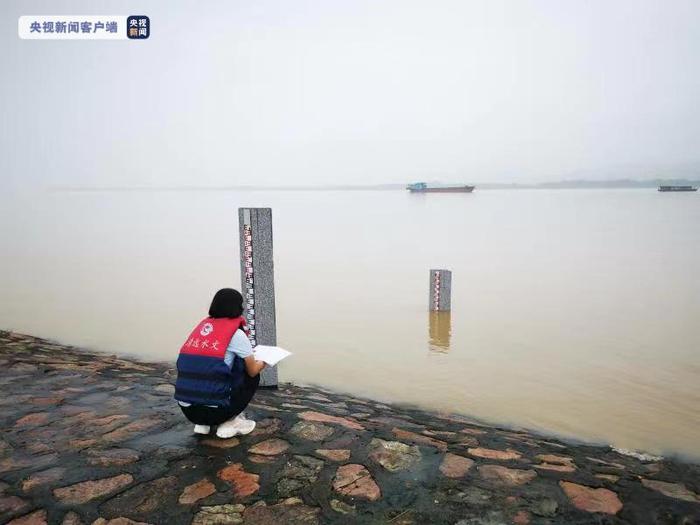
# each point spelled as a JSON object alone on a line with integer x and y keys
{"x": 440, "y": 331}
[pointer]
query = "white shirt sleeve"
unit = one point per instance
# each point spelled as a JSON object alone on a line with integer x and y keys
{"x": 239, "y": 346}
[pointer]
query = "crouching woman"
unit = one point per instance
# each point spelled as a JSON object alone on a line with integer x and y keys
{"x": 217, "y": 374}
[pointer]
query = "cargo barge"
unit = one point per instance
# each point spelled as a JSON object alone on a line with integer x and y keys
{"x": 677, "y": 188}
{"x": 423, "y": 187}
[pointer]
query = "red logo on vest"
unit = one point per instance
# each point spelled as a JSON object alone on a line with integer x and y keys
{"x": 212, "y": 336}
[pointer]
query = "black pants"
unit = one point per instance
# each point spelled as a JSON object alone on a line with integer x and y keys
{"x": 204, "y": 415}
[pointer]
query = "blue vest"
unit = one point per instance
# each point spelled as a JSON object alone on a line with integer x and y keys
{"x": 203, "y": 377}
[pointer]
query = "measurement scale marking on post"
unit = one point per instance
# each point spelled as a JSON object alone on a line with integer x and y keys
{"x": 436, "y": 290}
{"x": 249, "y": 276}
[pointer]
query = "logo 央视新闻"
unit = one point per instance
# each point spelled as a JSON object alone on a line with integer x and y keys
{"x": 138, "y": 27}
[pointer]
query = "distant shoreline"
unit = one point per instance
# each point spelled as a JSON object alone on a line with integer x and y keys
{"x": 565, "y": 185}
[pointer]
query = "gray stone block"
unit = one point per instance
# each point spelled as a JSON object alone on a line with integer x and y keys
{"x": 258, "y": 281}
{"x": 440, "y": 291}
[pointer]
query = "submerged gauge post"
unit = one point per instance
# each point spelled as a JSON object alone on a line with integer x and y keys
{"x": 258, "y": 281}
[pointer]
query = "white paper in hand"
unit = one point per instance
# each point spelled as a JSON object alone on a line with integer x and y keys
{"x": 270, "y": 354}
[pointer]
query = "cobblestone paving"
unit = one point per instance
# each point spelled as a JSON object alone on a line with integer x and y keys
{"x": 96, "y": 439}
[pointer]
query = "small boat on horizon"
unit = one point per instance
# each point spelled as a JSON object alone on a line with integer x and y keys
{"x": 677, "y": 188}
{"x": 423, "y": 187}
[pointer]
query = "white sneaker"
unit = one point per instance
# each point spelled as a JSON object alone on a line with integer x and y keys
{"x": 234, "y": 427}
{"x": 202, "y": 429}
{"x": 246, "y": 425}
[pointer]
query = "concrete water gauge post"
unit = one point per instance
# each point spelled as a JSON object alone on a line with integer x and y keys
{"x": 440, "y": 293}
{"x": 258, "y": 281}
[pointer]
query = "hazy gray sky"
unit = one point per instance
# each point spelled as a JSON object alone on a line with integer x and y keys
{"x": 284, "y": 92}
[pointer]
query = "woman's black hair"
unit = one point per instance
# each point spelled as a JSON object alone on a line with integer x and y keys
{"x": 227, "y": 302}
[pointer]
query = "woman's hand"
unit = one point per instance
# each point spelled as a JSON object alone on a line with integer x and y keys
{"x": 253, "y": 366}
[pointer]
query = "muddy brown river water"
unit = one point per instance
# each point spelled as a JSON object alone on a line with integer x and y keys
{"x": 574, "y": 312}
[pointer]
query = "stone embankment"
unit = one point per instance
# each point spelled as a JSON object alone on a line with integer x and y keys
{"x": 95, "y": 439}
